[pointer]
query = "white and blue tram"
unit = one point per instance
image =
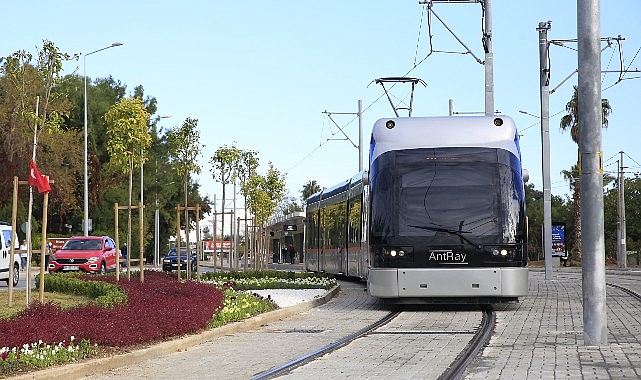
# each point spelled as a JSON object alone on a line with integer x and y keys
{"x": 440, "y": 217}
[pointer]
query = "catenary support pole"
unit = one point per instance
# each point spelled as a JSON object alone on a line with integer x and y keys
{"x": 360, "y": 135}
{"x": 590, "y": 121}
{"x": 489, "y": 60}
{"x": 622, "y": 256}
{"x": 545, "y": 145}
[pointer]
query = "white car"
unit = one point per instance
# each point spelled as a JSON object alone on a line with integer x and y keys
{"x": 5, "y": 254}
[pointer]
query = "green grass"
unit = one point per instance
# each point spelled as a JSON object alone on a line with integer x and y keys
{"x": 66, "y": 301}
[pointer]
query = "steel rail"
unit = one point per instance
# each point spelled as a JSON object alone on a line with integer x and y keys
{"x": 626, "y": 290}
{"x": 286, "y": 368}
{"x": 480, "y": 339}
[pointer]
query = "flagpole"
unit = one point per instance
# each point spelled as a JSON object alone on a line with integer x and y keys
{"x": 28, "y": 232}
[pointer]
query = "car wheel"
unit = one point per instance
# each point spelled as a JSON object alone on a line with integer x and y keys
{"x": 103, "y": 268}
{"x": 16, "y": 275}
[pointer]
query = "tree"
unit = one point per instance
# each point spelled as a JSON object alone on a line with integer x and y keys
{"x": 225, "y": 169}
{"x": 264, "y": 193}
{"x": 560, "y": 209}
{"x": 247, "y": 165}
{"x": 288, "y": 205}
{"x": 128, "y": 141}
{"x": 184, "y": 149}
{"x": 23, "y": 83}
{"x": 633, "y": 215}
{"x": 25, "y": 76}
{"x": 309, "y": 189}
{"x": 571, "y": 121}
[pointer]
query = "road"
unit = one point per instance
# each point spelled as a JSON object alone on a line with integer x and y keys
{"x": 21, "y": 283}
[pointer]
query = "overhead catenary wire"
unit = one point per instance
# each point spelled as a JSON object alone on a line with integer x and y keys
{"x": 414, "y": 66}
{"x": 632, "y": 159}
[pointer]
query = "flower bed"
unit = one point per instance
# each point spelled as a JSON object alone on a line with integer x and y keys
{"x": 42, "y": 355}
{"x": 129, "y": 313}
{"x": 157, "y": 309}
{"x": 270, "y": 279}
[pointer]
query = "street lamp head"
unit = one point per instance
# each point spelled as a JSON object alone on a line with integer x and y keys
{"x": 116, "y": 44}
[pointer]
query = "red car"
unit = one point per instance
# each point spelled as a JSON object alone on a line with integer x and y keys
{"x": 91, "y": 254}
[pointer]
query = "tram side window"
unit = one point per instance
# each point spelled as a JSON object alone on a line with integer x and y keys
{"x": 324, "y": 238}
{"x": 333, "y": 225}
{"x": 341, "y": 226}
{"x": 354, "y": 219}
{"x": 312, "y": 230}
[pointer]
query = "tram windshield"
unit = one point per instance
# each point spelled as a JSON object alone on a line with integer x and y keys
{"x": 448, "y": 196}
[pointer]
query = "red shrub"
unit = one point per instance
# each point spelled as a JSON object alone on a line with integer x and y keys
{"x": 159, "y": 308}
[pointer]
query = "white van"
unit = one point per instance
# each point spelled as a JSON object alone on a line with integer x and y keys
{"x": 5, "y": 254}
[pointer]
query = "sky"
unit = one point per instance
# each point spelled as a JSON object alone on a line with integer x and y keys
{"x": 260, "y": 75}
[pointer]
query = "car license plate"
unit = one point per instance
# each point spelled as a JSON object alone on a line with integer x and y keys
{"x": 70, "y": 267}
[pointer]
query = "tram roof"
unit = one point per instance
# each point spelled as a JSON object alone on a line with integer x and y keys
{"x": 336, "y": 189}
{"x": 497, "y": 131}
{"x": 358, "y": 179}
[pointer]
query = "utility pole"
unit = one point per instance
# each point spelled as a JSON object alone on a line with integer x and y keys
{"x": 489, "y": 60}
{"x": 622, "y": 256}
{"x": 360, "y": 135}
{"x": 590, "y": 143}
{"x": 545, "y": 145}
{"x": 486, "y": 6}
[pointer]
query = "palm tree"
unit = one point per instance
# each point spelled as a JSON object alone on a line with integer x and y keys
{"x": 309, "y": 189}
{"x": 571, "y": 121}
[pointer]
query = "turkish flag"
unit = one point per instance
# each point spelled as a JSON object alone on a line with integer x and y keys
{"x": 38, "y": 179}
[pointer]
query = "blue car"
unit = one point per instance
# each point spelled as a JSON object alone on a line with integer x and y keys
{"x": 170, "y": 261}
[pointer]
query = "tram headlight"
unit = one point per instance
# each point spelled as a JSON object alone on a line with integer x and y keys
{"x": 505, "y": 251}
{"x": 396, "y": 252}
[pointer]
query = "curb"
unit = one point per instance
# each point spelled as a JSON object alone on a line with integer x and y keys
{"x": 93, "y": 366}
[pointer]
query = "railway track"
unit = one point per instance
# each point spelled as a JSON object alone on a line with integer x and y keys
{"x": 454, "y": 371}
{"x": 480, "y": 339}
{"x": 625, "y": 290}
{"x": 630, "y": 280}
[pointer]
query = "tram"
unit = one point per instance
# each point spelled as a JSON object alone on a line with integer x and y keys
{"x": 439, "y": 217}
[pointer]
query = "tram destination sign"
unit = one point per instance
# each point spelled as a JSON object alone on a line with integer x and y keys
{"x": 290, "y": 227}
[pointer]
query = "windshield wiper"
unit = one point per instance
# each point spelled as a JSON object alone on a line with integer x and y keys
{"x": 449, "y": 231}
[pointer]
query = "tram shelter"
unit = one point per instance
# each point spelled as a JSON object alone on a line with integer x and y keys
{"x": 286, "y": 232}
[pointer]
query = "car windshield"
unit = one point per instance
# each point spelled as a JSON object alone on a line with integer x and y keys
{"x": 82, "y": 245}
{"x": 183, "y": 252}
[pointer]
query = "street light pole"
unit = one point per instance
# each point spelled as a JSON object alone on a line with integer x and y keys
{"x": 86, "y": 184}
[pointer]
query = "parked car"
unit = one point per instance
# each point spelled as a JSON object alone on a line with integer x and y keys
{"x": 90, "y": 254}
{"x": 170, "y": 261}
{"x": 5, "y": 254}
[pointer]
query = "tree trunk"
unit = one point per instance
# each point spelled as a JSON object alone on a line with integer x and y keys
{"x": 187, "y": 249}
{"x": 222, "y": 231}
{"x": 129, "y": 250}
